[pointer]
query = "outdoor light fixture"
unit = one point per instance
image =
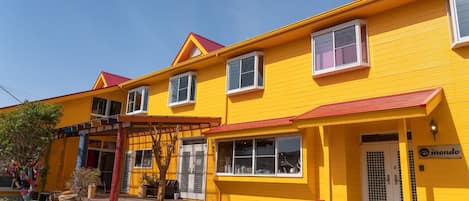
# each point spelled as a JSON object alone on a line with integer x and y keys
{"x": 433, "y": 129}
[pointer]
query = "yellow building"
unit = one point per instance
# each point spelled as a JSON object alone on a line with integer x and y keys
{"x": 367, "y": 101}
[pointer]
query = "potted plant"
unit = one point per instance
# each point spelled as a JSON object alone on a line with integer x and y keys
{"x": 142, "y": 188}
{"x": 83, "y": 184}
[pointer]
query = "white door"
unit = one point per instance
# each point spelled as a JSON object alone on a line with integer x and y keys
{"x": 192, "y": 171}
{"x": 381, "y": 172}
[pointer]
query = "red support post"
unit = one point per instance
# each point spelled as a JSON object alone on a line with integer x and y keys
{"x": 115, "y": 184}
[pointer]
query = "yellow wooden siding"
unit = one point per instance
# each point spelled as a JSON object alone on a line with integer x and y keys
{"x": 209, "y": 99}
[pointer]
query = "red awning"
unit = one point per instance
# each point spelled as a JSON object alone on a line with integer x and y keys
{"x": 397, "y": 101}
{"x": 284, "y": 121}
{"x": 418, "y": 99}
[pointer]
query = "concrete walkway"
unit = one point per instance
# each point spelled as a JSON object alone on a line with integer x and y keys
{"x": 125, "y": 197}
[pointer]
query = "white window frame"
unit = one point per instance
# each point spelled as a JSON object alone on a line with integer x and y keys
{"x": 144, "y": 90}
{"x": 359, "y": 63}
{"x": 253, "y": 174}
{"x": 457, "y": 40}
{"x": 191, "y": 76}
{"x": 108, "y": 108}
{"x": 143, "y": 156}
{"x": 256, "y": 85}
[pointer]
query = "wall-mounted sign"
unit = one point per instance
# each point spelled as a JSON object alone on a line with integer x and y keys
{"x": 452, "y": 151}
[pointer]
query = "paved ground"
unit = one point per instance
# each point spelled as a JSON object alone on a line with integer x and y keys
{"x": 124, "y": 197}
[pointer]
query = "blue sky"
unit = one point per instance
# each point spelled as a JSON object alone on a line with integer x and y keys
{"x": 50, "y": 48}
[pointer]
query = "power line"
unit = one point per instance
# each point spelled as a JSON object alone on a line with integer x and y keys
{"x": 9, "y": 93}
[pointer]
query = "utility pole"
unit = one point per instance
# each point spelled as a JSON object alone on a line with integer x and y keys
{"x": 9, "y": 93}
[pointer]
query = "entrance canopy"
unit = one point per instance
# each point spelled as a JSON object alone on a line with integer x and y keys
{"x": 397, "y": 106}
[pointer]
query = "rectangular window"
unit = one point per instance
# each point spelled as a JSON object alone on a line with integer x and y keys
{"x": 340, "y": 47}
{"x": 102, "y": 107}
{"x": 460, "y": 22}
{"x": 245, "y": 73}
{"x": 143, "y": 158}
{"x": 137, "y": 100}
{"x": 182, "y": 89}
{"x": 99, "y": 106}
{"x": 276, "y": 156}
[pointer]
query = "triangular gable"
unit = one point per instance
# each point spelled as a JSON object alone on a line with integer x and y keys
{"x": 194, "y": 44}
{"x": 106, "y": 79}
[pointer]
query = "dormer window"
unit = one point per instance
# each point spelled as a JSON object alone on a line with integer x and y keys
{"x": 102, "y": 108}
{"x": 340, "y": 48}
{"x": 195, "y": 52}
{"x": 137, "y": 100}
{"x": 182, "y": 89}
{"x": 245, "y": 73}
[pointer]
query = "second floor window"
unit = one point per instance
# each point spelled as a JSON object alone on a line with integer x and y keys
{"x": 245, "y": 73}
{"x": 102, "y": 107}
{"x": 182, "y": 89}
{"x": 340, "y": 47}
{"x": 460, "y": 21}
{"x": 137, "y": 100}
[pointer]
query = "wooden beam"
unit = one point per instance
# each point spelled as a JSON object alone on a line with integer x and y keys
{"x": 115, "y": 183}
{"x": 324, "y": 168}
{"x": 169, "y": 119}
{"x": 404, "y": 161}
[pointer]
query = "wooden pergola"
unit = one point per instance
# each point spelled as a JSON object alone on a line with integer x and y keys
{"x": 121, "y": 126}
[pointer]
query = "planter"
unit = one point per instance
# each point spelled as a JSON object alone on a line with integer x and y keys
{"x": 91, "y": 191}
{"x": 177, "y": 196}
{"x": 142, "y": 191}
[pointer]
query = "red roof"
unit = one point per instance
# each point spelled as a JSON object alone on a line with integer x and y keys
{"x": 284, "y": 121}
{"x": 208, "y": 44}
{"x": 113, "y": 79}
{"x": 405, "y": 100}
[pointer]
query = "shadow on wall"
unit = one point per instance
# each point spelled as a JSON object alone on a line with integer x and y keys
{"x": 462, "y": 52}
{"x": 343, "y": 77}
{"x": 266, "y": 190}
{"x": 440, "y": 178}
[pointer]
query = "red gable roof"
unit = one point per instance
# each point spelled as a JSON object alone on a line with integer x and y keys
{"x": 113, "y": 79}
{"x": 283, "y": 121}
{"x": 405, "y": 100}
{"x": 208, "y": 44}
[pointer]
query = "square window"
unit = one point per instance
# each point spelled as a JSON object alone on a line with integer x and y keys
{"x": 99, "y": 106}
{"x": 245, "y": 73}
{"x": 143, "y": 158}
{"x": 115, "y": 108}
{"x": 182, "y": 89}
{"x": 460, "y": 22}
{"x": 137, "y": 100}
{"x": 336, "y": 48}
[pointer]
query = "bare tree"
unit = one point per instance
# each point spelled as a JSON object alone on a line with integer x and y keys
{"x": 162, "y": 151}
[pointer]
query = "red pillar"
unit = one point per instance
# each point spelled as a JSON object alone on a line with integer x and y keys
{"x": 115, "y": 184}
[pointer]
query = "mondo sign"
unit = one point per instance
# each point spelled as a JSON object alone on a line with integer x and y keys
{"x": 440, "y": 151}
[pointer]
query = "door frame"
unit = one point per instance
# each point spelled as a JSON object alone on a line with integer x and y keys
{"x": 388, "y": 161}
{"x": 129, "y": 172}
{"x": 179, "y": 165}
